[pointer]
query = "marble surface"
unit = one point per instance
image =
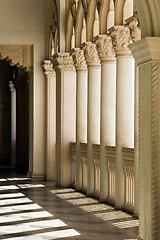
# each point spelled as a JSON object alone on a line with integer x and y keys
{"x": 54, "y": 213}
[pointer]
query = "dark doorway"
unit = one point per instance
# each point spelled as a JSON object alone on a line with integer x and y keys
{"x": 13, "y": 80}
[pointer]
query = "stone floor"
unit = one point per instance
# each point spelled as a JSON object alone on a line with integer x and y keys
{"x": 30, "y": 210}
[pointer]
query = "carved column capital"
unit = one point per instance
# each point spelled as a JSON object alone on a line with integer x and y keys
{"x": 121, "y": 39}
{"x": 79, "y": 59}
{"x": 133, "y": 24}
{"x": 105, "y": 48}
{"x": 48, "y": 68}
{"x": 63, "y": 62}
{"x": 11, "y": 86}
{"x": 91, "y": 54}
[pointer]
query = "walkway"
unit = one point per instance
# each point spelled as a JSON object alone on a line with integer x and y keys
{"x": 38, "y": 211}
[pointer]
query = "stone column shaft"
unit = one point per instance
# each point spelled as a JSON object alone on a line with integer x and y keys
{"x": 81, "y": 109}
{"x": 93, "y": 124}
{"x": 124, "y": 104}
{"x": 51, "y": 120}
{"x": 133, "y": 25}
{"x": 108, "y": 106}
{"x": 65, "y": 116}
{"x": 147, "y": 55}
{"x": 13, "y": 123}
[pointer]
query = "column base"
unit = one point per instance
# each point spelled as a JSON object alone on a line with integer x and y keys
{"x": 36, "y": 177}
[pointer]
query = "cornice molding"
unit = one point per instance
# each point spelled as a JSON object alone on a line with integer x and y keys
{"x": 79, "y": 59}
{"x": 146, "y": 49}
{"x": 18, "y": 55}
{"x": 121, "y": 39}
{"x": 63, "y": 62}
{"x": 105, "y": 48}
{"x": 91, "y": 54}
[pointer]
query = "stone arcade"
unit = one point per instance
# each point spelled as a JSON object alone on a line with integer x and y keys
{"x": 91, "y": 71}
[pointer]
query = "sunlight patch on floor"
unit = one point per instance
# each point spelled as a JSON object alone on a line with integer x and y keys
{"x": 65, "y": 190}
{"x": 82, "y": 201}
{"x": 70, "y": 195}
{"x": 96, "y": 207}
{"x": 48, "y": 235}
{"x": 112, "y": 215}
{"x": 23, "y": 186}
{"x": 3, "y": 180}
{"x": 30, "y": 226}
{"x": 14, "y": 201}
{"x": 8, "y": 187}
{"x": 18, "y": 179}
{"x": 17, "y": 208}
{"x": 24, "y": 216}
{"x": 11, "y": 195}
{"x": 126, "y": 224}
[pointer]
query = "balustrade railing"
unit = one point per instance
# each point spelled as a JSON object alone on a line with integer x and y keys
{"x": 73, "y": 153}
{"x": 83, "y": 147}
{"x": 96, "y": 161}
{"x": 128, "y": 156}
{"x": 111, "y": 163}
{"x": 128, "y": 160}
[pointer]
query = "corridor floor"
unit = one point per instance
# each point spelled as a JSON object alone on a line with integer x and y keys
{"x": 36, "y": 211}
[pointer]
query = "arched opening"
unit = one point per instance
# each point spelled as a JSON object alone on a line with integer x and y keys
{"x": 83, "y": 34}
{"x": 14, "y": 120}
{"x": 96, "y": 24}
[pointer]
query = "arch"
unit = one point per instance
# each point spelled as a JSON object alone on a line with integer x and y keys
{"x": 52, "y": 25}
{"x": 69, "y": 31}
{"x": 79, "y": 24}
{"x": 110, "y": 19}
{"x": 148, "y": 12}
{"x": 90, "y": 20}
{"x": 119, "y": 5}
{"x": 111, "y": 15}
{"x": 104, "y": 9}
{"x": 73, "y": 39}
{"x": 127, "y": 9}
{"x": 96, "y": 24}
{"x": 83, "y": 33}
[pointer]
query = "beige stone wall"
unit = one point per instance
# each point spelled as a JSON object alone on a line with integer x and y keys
{"x": 23, "y": 22}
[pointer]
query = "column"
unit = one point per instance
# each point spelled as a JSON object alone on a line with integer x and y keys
{"x": 124, "y": 104}
{"x": 93, "y": 115}
{"x": 65, "y": 116}
{"x": 30, "y": 85}
{"x": 13, "y": 123}
{"x": 133, "y": 25}
{"x": 50, "y": 120}
{"x": 147, "y": 55}
{"x": 81, "y": 109}
{"x": 108, "y": 105}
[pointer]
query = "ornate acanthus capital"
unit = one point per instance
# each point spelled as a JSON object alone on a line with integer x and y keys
{"x": 91, "y": 54}
{"x": 63, "y": 62}
{"x": 48, "y": 68}
{"x": 79, "y": 59}
{"x": 121, "y": 39}
{"x": 133, "y": 25}
{"x": 105, "y": 48}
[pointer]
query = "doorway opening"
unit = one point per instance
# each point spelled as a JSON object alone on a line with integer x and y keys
{"x": 14, "y": 118}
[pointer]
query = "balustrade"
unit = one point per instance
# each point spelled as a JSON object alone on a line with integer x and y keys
{"x": 128, "y": 158}
{"x": 73, "y": 153}
{"x": 96, "y": 160}
{"x": 111, "y": 163}
{"x": 83, "y": 147}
